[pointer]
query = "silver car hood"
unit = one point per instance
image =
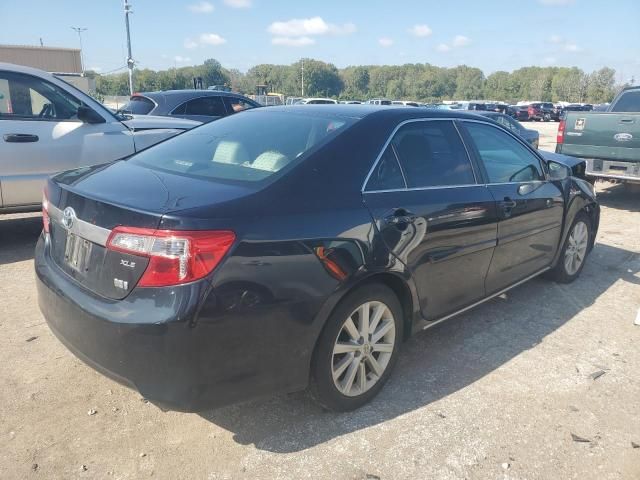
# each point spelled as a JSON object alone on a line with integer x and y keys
{"x": 148, "y": 122}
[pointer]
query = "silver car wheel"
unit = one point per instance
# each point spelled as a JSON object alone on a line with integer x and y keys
{"x": 363, "y": 348}
{"x": 576, "y": 248}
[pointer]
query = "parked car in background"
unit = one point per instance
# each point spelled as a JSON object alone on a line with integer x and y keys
{"x": 556, "y": 112}
{"x": 200, "y": 105}
{"x": 518, "y": 112}
{"x": 292, "y": 100}
{"x": 540, "y": 111}
{"x": 405, "y": 103}
{"x": 608, "y": 141}
{"x": 317, "y": 101}
{"x": 47, "y": 125}
{"x": 214, "y": 267}
{"x": 531, "y": 136}
{"x": 378, "y": 101}
{"x": 350, "y": 102}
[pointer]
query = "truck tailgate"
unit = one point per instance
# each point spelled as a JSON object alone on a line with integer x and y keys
{"x": 607, "y": 136}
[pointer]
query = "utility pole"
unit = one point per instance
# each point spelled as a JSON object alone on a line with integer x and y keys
{"x": 79, "y": 31}
{"x": 302, "y": 77}
{"x": 130, "y": 62}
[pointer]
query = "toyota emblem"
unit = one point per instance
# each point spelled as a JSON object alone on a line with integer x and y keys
{"x": 68, "y": 218}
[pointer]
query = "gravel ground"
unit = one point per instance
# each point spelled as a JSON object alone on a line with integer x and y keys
{"x": 541, "y": 383}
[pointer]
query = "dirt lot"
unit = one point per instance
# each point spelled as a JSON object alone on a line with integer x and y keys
{"x": 541, "y": 383}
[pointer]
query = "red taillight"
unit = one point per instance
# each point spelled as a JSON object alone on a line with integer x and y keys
{"x": 175, "y": 256}
{"x": 46, "y": 221}
{"x": 560, "y": 136}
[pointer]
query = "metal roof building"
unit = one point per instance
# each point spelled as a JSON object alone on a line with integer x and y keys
{"x": 50, "y": 59}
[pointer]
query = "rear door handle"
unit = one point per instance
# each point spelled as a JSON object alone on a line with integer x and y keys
{"x": 627, "y": 120}
{"x": 20, "y": 138}
{"x": 400, "y": 217}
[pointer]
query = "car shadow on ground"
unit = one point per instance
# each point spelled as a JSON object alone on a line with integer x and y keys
{"x": 18, "y": 237}
{"x": 619, "y": 196}
{"x": 438, "y": 362}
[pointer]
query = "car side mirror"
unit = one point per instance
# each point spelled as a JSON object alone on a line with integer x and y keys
{"x": 88, "y": 115}
{"x": 558, "y": 171}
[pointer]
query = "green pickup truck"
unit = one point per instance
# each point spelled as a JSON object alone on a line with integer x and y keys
{"x": 608, "y": 141}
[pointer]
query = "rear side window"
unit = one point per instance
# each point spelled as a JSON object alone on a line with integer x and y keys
{"x": 138, "y": 105}
{"x": 206, "y": 106}
{"x": 235, "y": 104}
{"x": 250, "y": 147}
{"x": 431, "y": 154}
{"x": 505, "y": 159}
{"x": 387, "y": 174}
{"x": 628, "y": 102}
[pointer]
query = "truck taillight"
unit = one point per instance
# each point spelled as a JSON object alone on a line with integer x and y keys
{"x": 175, "y": 256}
{"x": 46, "y": 220}
{"x": 560, "y": 136}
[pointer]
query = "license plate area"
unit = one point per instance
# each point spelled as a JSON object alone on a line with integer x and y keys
{"x": 77, "y": 252}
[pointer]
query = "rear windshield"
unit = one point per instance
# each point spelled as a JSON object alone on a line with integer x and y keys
{"x": 628, "y": 102}
{"x": 138, "y": 105}
{"x": 250, "y": 146}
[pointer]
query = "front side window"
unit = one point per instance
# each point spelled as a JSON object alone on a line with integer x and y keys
{"x": 26, "y": 97}
{"x": 432, "y": 154}
{"x": 250, "y": 147}
{"x": 505, "y": 159}
{"x": 207, "y": 106}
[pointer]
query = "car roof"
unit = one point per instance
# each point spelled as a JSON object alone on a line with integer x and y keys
{"x": 362, "y": 111}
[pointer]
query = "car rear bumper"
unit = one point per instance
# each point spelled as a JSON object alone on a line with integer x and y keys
{"x": 156, "y": 342}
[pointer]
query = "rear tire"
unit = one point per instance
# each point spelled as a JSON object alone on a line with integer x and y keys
{"x": 357, "y": 349}
{"x": 574, "y": 252}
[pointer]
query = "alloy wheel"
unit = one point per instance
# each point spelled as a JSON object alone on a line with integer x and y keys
{"x": 576, "y": 248}
{"x": 363, "y": 348}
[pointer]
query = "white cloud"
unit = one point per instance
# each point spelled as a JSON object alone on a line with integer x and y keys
{"x": 293, "y": 41}
{"x": 204, "y": 39}
{"x": 181, "y": 59}
{"x": 300, "y": 27}
{"x": 420, "y": 31}
{"x": 557, "y": 2}
{"x": 201, "y": 7}
{"x": 461, "y": 41}
{"x": 385, "y": 42}
{"x": 571, "y": 47}
{"x": 555, "y": 39}
{"x": 188, "y": 43}
{"x": 549, "y": 60}
{"x": 238, "y": 3}
{"x": 95, "y": 69}
{"x": 443, "y": 47}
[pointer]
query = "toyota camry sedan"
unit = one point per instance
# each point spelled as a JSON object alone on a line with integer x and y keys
{"x": 296, "y": 247}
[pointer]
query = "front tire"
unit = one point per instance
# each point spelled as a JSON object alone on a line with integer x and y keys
{"x": 357, "y": 349}
{"x": 574, "y": 251}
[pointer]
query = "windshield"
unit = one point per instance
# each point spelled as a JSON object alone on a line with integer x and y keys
{"x": 245, "y": 147}
{"x": 628, "y": 102}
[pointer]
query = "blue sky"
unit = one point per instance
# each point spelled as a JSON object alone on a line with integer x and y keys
{"x": 489, "y": 34}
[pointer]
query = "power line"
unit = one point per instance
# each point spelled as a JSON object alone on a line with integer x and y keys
{"x": 79, "y": 31}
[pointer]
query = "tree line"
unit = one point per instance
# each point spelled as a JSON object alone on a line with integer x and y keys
{"x": 421, "y": 82}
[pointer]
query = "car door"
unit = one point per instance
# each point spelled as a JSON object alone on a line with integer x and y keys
{"x": 203, "y": 109}
{"x": 433, "y": 214}
{"x": 40, "y": 134}
{"x": 530, "y": 207}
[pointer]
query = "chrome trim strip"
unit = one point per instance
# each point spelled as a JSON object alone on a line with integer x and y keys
{"x": 473, "y": 305}
{"x": 86, "y": 230}
{"x": 424, "y": 188}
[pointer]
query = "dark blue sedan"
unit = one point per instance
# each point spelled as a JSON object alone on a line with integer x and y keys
{"x": 298, "y": 246}
{"x": 201, "y": 105}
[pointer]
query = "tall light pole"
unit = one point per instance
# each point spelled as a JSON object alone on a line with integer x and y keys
{"x": 130, "y": 62}
{"x": 79, "y": 31}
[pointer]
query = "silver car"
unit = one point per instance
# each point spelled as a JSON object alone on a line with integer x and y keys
{"x": 47, "y": 126}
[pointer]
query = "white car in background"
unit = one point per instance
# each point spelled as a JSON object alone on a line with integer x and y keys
{"x": 47, "y": 126}
{"x": 317, "y": 101}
